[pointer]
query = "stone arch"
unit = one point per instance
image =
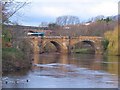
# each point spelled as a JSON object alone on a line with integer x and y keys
{"x": 60, "y": 46}
{"x": 92, "y": 44}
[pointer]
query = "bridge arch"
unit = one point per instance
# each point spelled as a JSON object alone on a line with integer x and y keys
{"x": 65, "y": 44}
{"x": 88, "y": 44}
{"x": 60, "y": 46}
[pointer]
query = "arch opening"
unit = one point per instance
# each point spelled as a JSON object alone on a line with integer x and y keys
{"x": 52, "y": 46}
{"x": 87, "y": 47}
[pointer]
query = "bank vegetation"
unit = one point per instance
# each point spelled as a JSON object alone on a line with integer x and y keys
{"x": 114, "y": 41}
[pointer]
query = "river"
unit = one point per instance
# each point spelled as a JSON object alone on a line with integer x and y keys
{"x": 66, "y": 71}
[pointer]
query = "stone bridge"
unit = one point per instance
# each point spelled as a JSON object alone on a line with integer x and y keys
{"x": 64, "y": 44}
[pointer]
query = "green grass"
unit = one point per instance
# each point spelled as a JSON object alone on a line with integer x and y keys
{"x": 11, "y": 53}
{"x": 6, "y": 35}
{"x": 9, "y": 49}
{"x": 13, "y": 58}
{"x": 83, "y": 50}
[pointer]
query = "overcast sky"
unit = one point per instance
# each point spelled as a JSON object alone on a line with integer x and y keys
{"x": 48, "y": 10}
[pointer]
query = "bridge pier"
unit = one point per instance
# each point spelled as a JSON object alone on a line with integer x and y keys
{"x": 98, "y": 51}
{"x": 36, "y": 48}
{"x": 98, "y": 48}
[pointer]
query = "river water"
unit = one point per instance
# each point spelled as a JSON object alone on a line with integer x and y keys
{"x": 66, "y": 71}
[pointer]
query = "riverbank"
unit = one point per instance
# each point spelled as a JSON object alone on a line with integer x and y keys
{"x": 114, "y": 41}
{"x": 14, "y": 60}
{"x": 84, "y": 51}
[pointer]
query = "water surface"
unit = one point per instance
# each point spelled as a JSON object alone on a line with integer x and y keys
{"x": 66, "y": 71}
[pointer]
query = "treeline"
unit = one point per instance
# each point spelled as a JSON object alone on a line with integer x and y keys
{"x": 95, "y": 27}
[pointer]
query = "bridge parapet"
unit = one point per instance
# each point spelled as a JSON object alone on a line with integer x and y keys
{"x": 56, "y": 37}
{"x": 90, "y": 37}
{"x": 67, "y": 37}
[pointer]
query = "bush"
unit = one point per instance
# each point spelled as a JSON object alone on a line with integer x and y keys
{"x": 105, "y": 44}
{"x": 13, "y": 59}
{"x": 113, "y": 46}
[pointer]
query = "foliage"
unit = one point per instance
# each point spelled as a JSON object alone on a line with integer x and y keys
{"x": 107, "y": 20}
{"x": 112, "y": 37}
{"x": 16, "y": 57}
{"x": 53, "y": 26}
{"x": 12, "y": 57}
{"x": 12, "y": 52}
{"x": 6, "y": 35}
{"x": 105, "y": 44}
{"x": 25, "y": 46}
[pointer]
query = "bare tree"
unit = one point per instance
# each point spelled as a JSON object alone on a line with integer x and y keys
{"x": 93, "y": 29}
{"x": 10, "y": 8}
{"x": 67, "y": 20}
{"x": 53, "y": 26}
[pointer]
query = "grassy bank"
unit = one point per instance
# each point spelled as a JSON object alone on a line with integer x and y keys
{"x": 16, "y": 53}
{"x": 13, "y": 59}
{"x": 83, "y": 51}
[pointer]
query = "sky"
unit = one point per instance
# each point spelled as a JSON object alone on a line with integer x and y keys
{"x": 38, "y": 11}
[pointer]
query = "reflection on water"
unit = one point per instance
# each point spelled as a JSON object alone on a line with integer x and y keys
{"x": 111, "y": 64}
{"x": 67, "y": 71}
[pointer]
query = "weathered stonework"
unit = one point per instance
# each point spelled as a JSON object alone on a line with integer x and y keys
{"x": 64, "y": 43}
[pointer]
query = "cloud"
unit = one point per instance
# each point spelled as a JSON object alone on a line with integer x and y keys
{"x": 55, "y": 11}
{"x": 54, "y": 8}
{"x": 51, "y": 11}
{"x": 66, "y": 1}
{"x": 105, "y": 8}
{"x": 48, "y": 10}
